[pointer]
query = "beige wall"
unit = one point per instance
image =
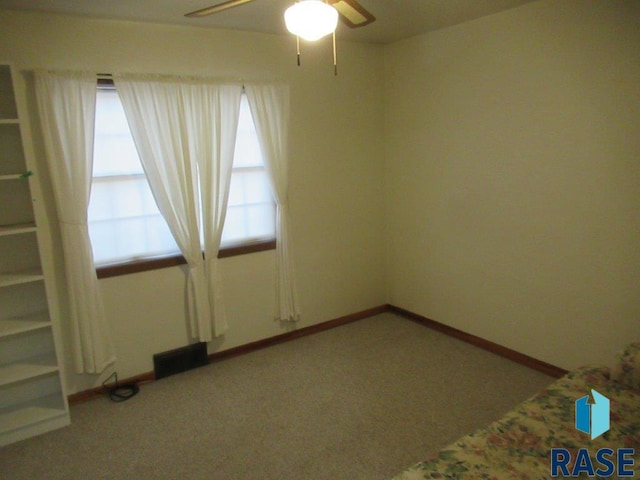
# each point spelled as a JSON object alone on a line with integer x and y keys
{"x": 336, "y": 180}
{"x": 513, "y": 177}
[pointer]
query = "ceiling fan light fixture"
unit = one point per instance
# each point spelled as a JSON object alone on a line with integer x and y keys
{"x": 311, "y": 19}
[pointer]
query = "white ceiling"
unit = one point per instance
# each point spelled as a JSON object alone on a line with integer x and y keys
{"x": 396, "y": 19}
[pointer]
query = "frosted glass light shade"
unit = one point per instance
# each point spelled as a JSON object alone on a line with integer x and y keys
{"x": 311, "y": 19}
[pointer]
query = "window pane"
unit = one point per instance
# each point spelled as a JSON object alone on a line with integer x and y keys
{"x": 120, "y": 197}
{"x": 124, "y": 221}
{"x": 249, "y": 186}
{"x": 114, "y": 152}
{"x": 249, "y": 223}
{"x": 261, "y": 220}
{"x": 131, "y": 238}
{"x": 251, "y": 210}
{"x": 247, "y": 153}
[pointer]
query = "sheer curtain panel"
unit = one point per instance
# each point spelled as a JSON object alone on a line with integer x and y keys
{"x": 184, "y": 130}
{"x": 269, "y": 104}
{"x": 66, "y": 103}
{"x": 215, "y": 121}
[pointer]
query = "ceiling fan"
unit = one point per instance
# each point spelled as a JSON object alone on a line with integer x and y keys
{"x": 351, "y": 12}
{"x": 309, "y": 19}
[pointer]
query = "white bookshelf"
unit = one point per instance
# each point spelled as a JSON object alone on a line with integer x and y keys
{"x": 32, "y": 396}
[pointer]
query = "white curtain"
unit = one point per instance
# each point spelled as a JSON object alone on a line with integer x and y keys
{"x": 185, "y": 130}
{"x": 270, "y": 110}
{"x": 66, "y": 103}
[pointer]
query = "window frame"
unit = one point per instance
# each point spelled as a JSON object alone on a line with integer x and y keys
{"x": 148, "y": 264}
{"x": 172, "y": 260}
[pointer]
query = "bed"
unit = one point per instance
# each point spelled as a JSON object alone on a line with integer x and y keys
{"x": 519, "y": 445}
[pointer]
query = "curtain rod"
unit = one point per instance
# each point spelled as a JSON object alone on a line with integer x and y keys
{"x": 107, "y": 78}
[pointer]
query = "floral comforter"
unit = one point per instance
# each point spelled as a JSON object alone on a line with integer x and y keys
{"x": 518, "y": 446}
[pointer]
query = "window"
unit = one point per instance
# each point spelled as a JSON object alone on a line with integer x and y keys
{"x": 251, "y": 210}
{"x": 124, "y": 221}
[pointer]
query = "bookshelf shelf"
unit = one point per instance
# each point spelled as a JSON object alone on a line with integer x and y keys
{"x": 17, "y": 419}
{"x": 26, "y": 276}
{"x": 17, "y": 229}
{"x": 19, "y": 372}
{"x": 27, "y": 323}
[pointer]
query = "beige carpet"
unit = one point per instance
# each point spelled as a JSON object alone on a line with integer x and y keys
{"x": 361, "y": 401}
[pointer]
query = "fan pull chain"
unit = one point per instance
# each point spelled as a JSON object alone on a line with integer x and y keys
{"x": 298, "y": 48}
{"x": 335, "y": 55}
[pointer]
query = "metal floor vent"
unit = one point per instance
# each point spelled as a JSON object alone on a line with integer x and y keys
{"x": 180, "y": 360}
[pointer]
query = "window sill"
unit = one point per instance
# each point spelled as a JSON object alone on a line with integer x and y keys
{"x": 144, "y": 265}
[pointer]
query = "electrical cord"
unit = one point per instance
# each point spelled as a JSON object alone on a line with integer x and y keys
{"x": 120, "y": 393}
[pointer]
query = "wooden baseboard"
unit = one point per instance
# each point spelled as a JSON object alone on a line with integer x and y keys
{"x": 85, "y": 395}
{"x": 303, "y": 332}
{"x": 92, "y": 393}
{"x": 513, "y": 355}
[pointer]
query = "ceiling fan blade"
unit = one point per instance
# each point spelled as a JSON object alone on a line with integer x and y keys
{"x": 217, "y": 8}
{"x": 352, "y": 13}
